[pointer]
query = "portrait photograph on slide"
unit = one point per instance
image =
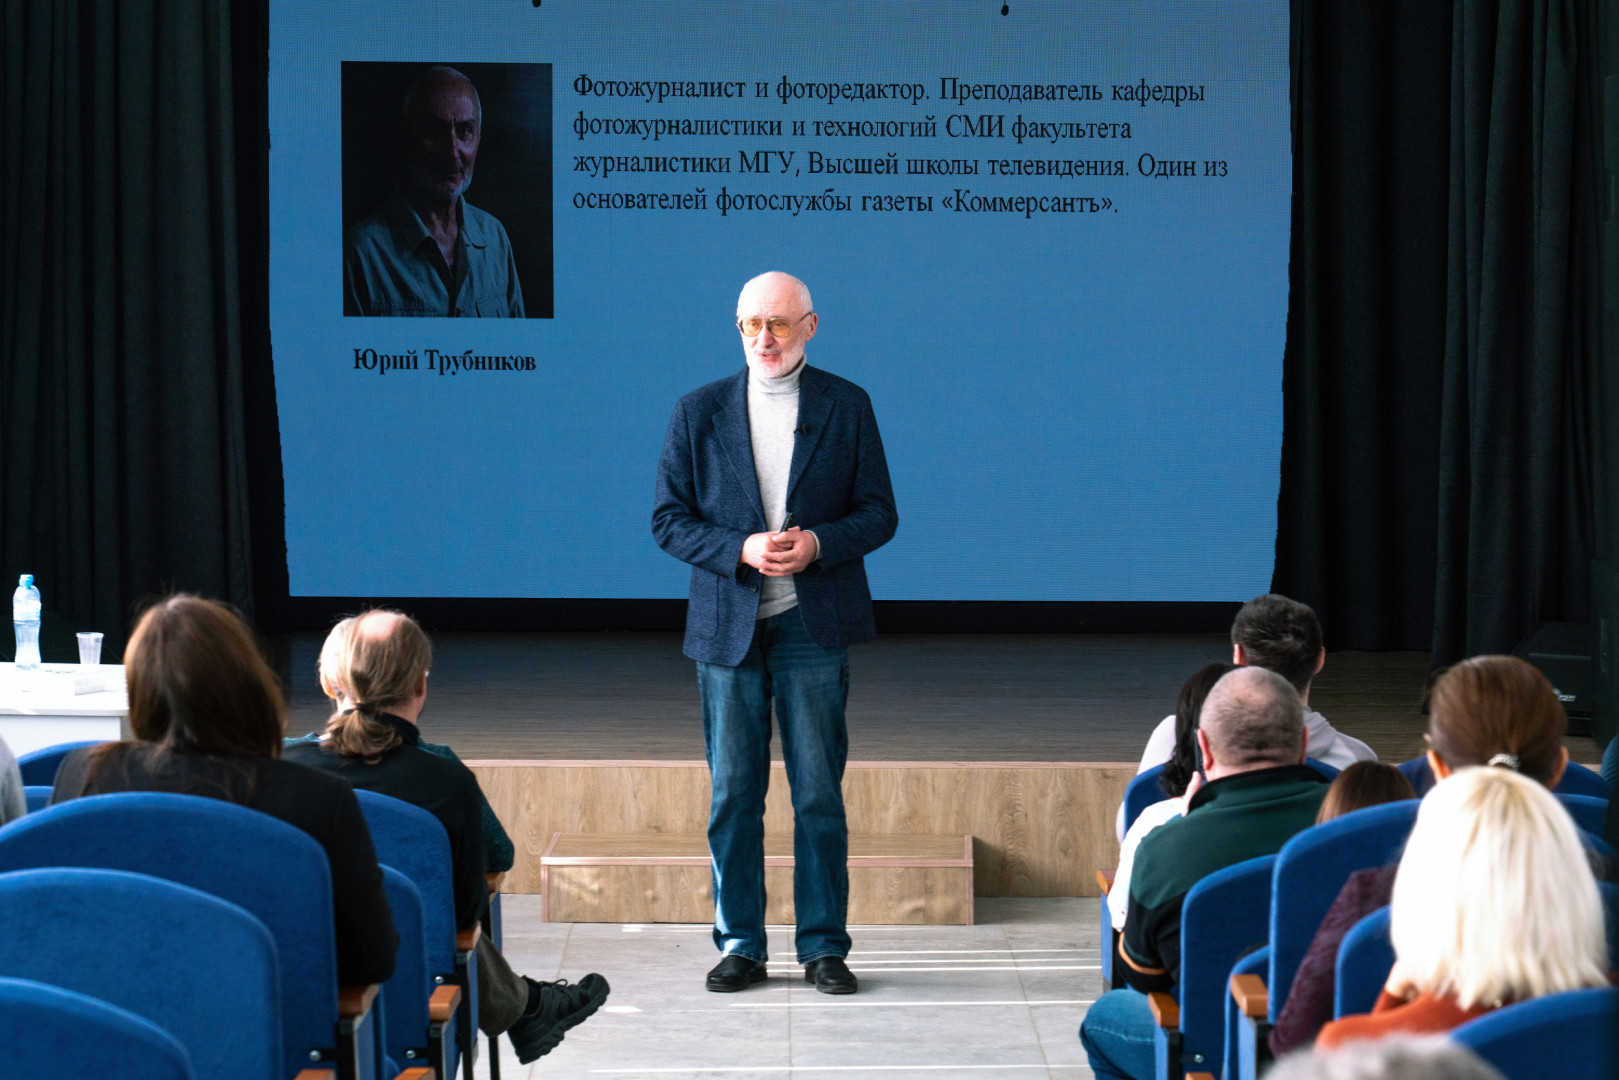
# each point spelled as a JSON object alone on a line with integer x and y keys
{"x": 420, "y": 135}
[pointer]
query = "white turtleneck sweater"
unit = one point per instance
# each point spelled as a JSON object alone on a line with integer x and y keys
{"x": 772, "y": 418}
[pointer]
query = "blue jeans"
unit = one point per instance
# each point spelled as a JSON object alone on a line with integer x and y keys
{"x": 810, "y": 686}
{"x": 1118, "y": 1032}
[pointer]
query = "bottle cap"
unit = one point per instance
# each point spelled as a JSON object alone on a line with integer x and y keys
{"x": 26, "y": 580}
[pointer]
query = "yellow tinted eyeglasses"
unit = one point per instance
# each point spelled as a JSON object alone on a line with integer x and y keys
{"x": 779, "y": 325}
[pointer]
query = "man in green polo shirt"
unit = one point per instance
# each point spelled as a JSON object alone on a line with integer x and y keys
{"x": 1253, "y": 795}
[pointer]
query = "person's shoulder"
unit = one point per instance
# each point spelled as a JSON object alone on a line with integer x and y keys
{"x": 296, "y": 773}
{"x": 485, "y": 222}
{"x": 372, "y": 231}
{"x": 835, "y": 386}
{"x": 714, "y": 395}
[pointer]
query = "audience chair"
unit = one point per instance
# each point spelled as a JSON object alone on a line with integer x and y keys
{"x": 38, "y": 796}
{"x": 1365, "y": 958}
{"x": 1570, "y": 1036}
{"x": 274, "y": 870}
{"x": 38, "y": 767}
{"x": 200, "y": 968}
{"x": 1109, "y": 937}
{"x": 1589, "y": 812}
{"x": 1142, "y": 792}
{"x": 46, "y": 1031}
{"x": 1254, "y": 965}
{"x": 421, "y": 1008}
{"x": 1310, "y": 870}
{"x": 413, "y": 842}
{"x": 1577, "y": 779}
{"x": 1224, "y": 915}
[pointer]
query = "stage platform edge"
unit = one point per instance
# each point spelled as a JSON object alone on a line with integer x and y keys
{"x": 1039, "y": 828}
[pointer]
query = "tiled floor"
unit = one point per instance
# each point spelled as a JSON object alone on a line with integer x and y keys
{"x": 1003, "y": 998}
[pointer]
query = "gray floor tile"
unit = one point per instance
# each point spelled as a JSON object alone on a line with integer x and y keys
{"x": 934, "y": 1001}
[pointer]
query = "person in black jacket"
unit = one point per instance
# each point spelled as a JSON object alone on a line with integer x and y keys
{"x": 208, "y": 716}
{"x": 375, "y": 667}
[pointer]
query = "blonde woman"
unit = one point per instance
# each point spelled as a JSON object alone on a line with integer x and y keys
{"x": 1494, "y": 902}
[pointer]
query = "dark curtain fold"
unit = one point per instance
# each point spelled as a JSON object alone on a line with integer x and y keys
{"x": 1366, "y": 332}
{"x": 120, "y": 312}
{"x": 1442, "y": 337}
{"x": 1522, "y": 338}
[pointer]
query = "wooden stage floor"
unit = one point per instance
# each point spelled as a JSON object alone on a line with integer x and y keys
{"x": 913, "y": 697}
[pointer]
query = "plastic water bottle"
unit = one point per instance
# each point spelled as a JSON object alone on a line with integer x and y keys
{"x": 25, "y": 607}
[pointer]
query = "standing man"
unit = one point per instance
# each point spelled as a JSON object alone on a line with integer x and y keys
{"x": 426, "y": 250}
{"x": 774, "y": 487}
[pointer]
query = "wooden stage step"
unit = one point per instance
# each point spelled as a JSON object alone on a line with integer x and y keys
{"x": 664, "y": 877}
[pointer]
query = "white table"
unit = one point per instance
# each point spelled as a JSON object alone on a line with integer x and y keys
{"x": 36, "y": 713}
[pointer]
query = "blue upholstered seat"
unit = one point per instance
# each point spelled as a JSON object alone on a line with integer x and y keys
{"x": 1311, "y": 869}
{"x": 38, "y": 767}
{"x": 1365, "y": 958}
{"x": 274, "y": 870}
{"x": 37, "y": 796}
{"x": 200, "y": 968}
{"x": 1576, "y": 779}
{"x": 413, "y": 842}
{"x": 1569, "y": 1036}
{"x": 47, "y": 1031}
{"x": 1255, "y": 963}
{"x": 413, "y": 1037}
{"x": 1224, "y": 916}
{"x": 1589, "y": 812}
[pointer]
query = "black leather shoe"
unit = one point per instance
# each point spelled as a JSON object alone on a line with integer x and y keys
{"x": 831, "y": 975}
{"x": 735, "y": 973}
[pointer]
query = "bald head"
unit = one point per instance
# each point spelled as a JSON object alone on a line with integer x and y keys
{"x": 775, "y": 285}
{"x": 378, "y": 659}
{"x": 1253, "y": 719}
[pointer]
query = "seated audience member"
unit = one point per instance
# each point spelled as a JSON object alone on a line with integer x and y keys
{"x": 1283, "y": 636}
{"x": 1179, "y": 772}
{"x": 375, "y": 667}
{"x": 1394, "y": 1058}
{"x": 1488, "y": 709}
{"x": 1363, "y": 784}
{"x": 208, "y": 717}
{"x": 13, "y": 799}
{"x": 1257, "y": 794}
{"x": 1494, "y": 903}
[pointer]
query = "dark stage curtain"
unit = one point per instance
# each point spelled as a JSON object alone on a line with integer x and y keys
{"x": 1435, "y": 482}
{"x": 121, "y": 371}
{"x": 1521, "y": 337}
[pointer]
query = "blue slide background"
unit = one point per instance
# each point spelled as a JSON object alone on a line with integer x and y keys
{"x": 1075, "y": 406}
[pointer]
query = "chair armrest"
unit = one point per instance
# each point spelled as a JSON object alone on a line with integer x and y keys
{"x": 467, "y": 940}
{"x": 416, "y": 1074}
{"x": 1104, "y": 879}
{"x": 354, "y": 1001}
{"x": 1166, "y": 1011}
{"x": 494, "y": 881}
{"x": 1251, "y": 996}
{"x": 443, "y": 1003}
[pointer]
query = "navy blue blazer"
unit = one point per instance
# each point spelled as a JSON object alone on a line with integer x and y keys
{"x": 708, "y": 504}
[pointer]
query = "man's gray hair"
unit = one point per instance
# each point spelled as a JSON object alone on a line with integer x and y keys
{"x": 1254, "y": 717}
{"x": 434, "y": 77}
{"x": 1397, "y": 1057}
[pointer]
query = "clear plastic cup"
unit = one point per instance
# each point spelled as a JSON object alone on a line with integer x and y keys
{"x": 89, "y": 650}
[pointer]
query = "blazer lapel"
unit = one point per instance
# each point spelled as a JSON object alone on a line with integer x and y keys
{"x": 731, "y": 424}
{"x": 814, "y": 410}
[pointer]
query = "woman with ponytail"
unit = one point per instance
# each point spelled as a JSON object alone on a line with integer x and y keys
{"x": 374, "y": 667}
